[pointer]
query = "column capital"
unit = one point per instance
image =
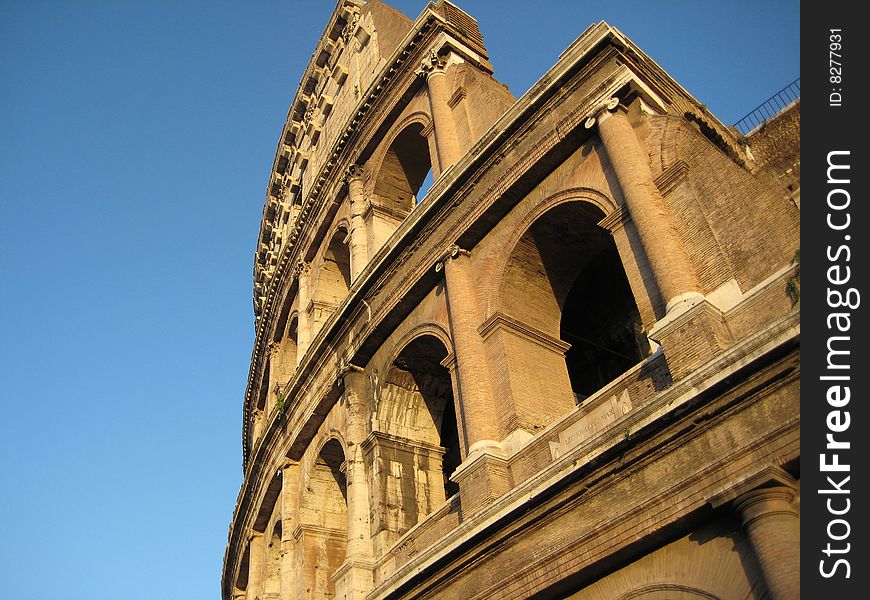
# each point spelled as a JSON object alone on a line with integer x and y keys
{"x": 765, "y": 502}
{"x": 301, "y": 267}
{"x": 254, "y": 534}
{"x": 347, "y": 368}
{"x": 432, "y": 64}
{"x": 600, "y": 111}
{"x": 353, "y": 172}
{"x": 350, "y": 28}
{"x": 452, "y": 251}
{"x": 772, "y": 523}
{"x": 284, "y": 192}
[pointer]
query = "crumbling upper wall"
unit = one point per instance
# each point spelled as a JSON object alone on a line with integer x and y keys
{"x": 776, "y": 147}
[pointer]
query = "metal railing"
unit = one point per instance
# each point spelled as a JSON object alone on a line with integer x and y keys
{"x": 770, "y": 107}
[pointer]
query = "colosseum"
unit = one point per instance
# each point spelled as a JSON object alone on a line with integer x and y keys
{"x": 536, "y": 347}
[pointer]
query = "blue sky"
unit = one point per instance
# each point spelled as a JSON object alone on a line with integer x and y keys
{"x": 136, "y": 140}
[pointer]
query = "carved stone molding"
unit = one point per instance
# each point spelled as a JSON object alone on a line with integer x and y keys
{"x": 615, "y": 220}
{"x": 452, "y": 251}
{"x": 353, "y": 172}
{"x": 672, "y": 176}
{"x": 457, "y": 97}
{"x": 300, "y": 268}
{"x": 432, "y": 64}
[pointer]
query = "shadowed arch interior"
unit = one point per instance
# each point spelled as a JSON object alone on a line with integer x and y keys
{"x": 324, "y": 516}
{"x": 565, "y": 278}
{"x": 417, "y": 403}
{"x": 334, "y": 279}
{"x": 272, "y": 566}
{"x": 405, "y": 168}
{"x": 286, "y": 338}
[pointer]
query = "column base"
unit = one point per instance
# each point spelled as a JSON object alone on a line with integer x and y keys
{"x": 483, "y": 477}
{"x": 765, "y": 503}
{"x": 354, "y": 578}
{"x": 692, "y": 333}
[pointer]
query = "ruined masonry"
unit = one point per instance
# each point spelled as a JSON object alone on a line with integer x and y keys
{"x": 525, "y": 347}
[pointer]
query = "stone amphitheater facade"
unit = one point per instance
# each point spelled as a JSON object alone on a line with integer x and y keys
{"x": 570, "y": 369}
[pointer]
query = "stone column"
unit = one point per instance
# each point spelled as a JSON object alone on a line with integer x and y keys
{"x": 477, "y": 407}
{"x": 290, "y": 495}
{"x": 358, "y": 530}
{"x": 258, "y": 425}
{"x": 302, "y": 272}
{"x": 446, "y": 138}
{"x": 358, "y": 236}
{"x": 773, "y": 527}
{"x": 355, "y": 578}
{"x": 668, "y": 261}
{"x": 483, "y": 474}
{"x": 256, "y": 556}
{"x": 275, "y": 375}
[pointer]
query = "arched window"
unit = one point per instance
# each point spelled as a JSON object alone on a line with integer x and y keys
{"x": 334, "y": 279}
{"x": 259, "y": 408}
{"x": 405, "y": 168}
{"x": 272, "y": 567}
{"x": 324, "y": 517}
{"x": 285, "y": 338}
{"x": 565, "y": 278}
{"x": 417, "y": 410}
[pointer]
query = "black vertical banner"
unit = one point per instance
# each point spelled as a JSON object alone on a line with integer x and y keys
{"x": 835, "y": 299}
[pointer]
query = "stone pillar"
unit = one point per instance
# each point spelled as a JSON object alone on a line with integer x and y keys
{"x": 477, "y": 409}
{"x": 355, "y": 578}
{"x": 773, "y": 527}
{"x": 302, "y": 272}
{"x": 256, "y": 556}
{"x": 290, "y": 495}
{"x": 483, "y": 474}
{"x": 634, "y": 261}
{"x": 275, "y": 375}
{"x": 358, "y": 235}
{"x": 358, "y": 529}
{"x": 673, "y": 272}
{"x": 446, "y": 137}
{"x": 258, "y": 425}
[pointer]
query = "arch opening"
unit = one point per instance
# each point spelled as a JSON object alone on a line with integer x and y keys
{"x": 329, "y": 484}
{"x": 417, "y": 404}
{"x": 324, "y": 509}
{"x": 272, "y": 566}
{"x": 406, "y": 172}
{"x": 286, "y": 341}
{"x": 334, "y": 280}
{"x": 565, "y": 278}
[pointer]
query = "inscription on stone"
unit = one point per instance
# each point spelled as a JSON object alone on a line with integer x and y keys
{"x": 591, "y": 423}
